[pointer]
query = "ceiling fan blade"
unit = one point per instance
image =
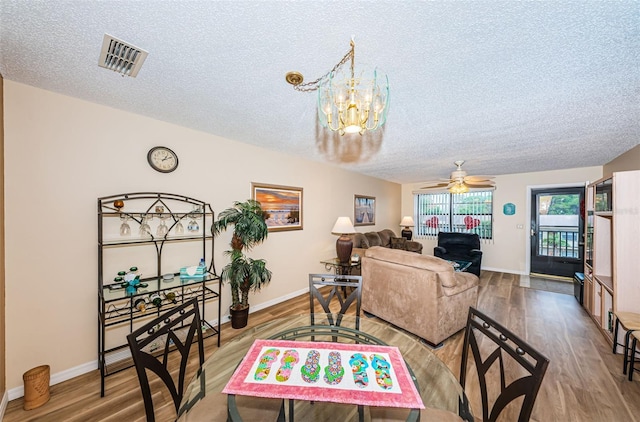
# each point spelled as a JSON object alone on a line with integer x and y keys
{"x": 437, "y": 182}
{"x": 437, "y": 185}
{"x": 482, "y": 186}
{"x": 479, "y": 182}
{"x": 477, "y": 177}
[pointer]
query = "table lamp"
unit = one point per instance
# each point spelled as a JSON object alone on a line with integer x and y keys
{"x": 407, "y": 221}
{"x": 344, "y": 244}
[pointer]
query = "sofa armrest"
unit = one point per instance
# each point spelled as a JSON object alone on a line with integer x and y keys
{"x": 464, "y": 281}
{"x": 413, "y": 246}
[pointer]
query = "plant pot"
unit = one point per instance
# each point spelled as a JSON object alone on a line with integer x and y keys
{"x": 239, "y": 317}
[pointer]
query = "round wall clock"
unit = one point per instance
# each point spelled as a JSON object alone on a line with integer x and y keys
{"x": 162, "y": 159}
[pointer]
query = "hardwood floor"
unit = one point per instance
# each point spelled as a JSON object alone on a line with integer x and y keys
{"x": 584, "y": 381}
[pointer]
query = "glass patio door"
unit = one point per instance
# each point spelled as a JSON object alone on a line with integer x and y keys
{"x": 557, "y": 231}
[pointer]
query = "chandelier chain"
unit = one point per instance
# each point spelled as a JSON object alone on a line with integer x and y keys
{"x": 312, "y": 86}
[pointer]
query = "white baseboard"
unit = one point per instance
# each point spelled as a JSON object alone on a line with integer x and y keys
{"x": 252, "y": 309}
{"x": 59, "y": 377}
{"x": 502, "y": 270}
{"x": 3, "y": 405}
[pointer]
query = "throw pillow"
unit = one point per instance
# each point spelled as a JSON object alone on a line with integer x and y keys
{"x": 398, "y": 243}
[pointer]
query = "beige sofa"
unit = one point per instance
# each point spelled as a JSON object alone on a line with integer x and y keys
{"x": 419, "y": 293}
{"x": 385, "y": 238}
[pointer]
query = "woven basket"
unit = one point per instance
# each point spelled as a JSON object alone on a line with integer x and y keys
{"x": 36, "y": 387}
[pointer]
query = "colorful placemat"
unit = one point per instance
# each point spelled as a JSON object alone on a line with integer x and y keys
{"x": 363, "y": 374}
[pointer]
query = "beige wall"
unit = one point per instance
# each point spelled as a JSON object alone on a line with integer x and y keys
{"x": 63, "y": 153}
{"x": 509, "y": 251}
{"x": 630, "y": 160}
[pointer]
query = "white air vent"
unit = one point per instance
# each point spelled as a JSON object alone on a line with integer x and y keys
{"x": 121, "y": 57}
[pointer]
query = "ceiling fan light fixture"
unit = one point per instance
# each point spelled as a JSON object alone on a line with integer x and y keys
{"x": 459, "y": 187}
{"x": 460, "y": 182}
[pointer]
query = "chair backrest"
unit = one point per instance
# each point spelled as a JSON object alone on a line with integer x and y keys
{"x": 459, "y": 241}
{"x": 335, "y": 294}
{"x": 173, "y": 332}
{"x": 490, "y": 343}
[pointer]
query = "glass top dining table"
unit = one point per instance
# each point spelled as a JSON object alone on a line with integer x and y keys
{"x": 443, "y": 397}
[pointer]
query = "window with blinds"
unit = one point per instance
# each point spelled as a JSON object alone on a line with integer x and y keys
{"x": 470, "y": 212}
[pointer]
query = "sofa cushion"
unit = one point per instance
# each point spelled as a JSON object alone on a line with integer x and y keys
{"x": 385, "y": 237}
{"x": 359, "y": 240}
{"x": 373, "y": 238}
{"x": 399, "y": 243}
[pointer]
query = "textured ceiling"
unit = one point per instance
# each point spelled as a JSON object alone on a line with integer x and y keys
{"x": 509, "y": 87}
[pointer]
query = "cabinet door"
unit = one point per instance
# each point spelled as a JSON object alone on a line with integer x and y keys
{"x": 588, "y": 294}
{"x": 626, "y": 235}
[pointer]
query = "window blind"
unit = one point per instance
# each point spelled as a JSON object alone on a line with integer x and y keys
{"x": 470, "y": 212}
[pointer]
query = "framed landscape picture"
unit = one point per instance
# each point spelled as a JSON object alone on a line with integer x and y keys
{"x": 364, "y": 210}
{"x": 283, "y": 204}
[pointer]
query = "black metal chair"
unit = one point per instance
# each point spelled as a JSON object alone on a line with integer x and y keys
{"x": 174, "y": 331}
{"x": 326, "y": 297}
{"x": 490, "y": 342}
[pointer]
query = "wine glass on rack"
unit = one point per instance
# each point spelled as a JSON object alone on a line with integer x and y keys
{"x": 125, "y": 228}
{"x": 193, "y": 225}
{"x": 162, "y": 229}
{"x": 145, "y": 228}
{"x": 179, "y": 228}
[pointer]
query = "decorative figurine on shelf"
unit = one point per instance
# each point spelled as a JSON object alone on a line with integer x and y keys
{"x": 131, "y": 280}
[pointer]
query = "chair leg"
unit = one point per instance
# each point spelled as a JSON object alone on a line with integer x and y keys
{"x": 625, "y": 360}
{"x": 615, "y": 336}
{"x": 281, "y": 414}
{"x": 632, "y": 361}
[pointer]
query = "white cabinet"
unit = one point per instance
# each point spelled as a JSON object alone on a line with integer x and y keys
{"x": 612, "y": 268}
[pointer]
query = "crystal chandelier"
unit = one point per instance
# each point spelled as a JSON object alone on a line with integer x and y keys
{"x": 349, "y": 101}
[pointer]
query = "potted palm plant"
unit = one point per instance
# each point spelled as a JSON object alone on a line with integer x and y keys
{"x": 242, "y": 273}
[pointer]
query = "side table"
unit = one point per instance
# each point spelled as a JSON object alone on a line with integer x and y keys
{"x": 334, "y": 264}
{"x": 341, "y": 268}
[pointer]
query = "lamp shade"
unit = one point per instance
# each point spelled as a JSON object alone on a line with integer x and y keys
{"x": 407, "y": 221}
{"x": 343, "y": 226}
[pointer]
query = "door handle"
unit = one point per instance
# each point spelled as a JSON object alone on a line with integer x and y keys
{"x": 533, "y": 232}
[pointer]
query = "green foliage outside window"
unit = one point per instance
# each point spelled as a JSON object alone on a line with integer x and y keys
{"x": 474, "y": 205}
{"x": 564, "y": 205}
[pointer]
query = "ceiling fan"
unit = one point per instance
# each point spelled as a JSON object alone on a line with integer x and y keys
{"x": 459, "y": 182}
